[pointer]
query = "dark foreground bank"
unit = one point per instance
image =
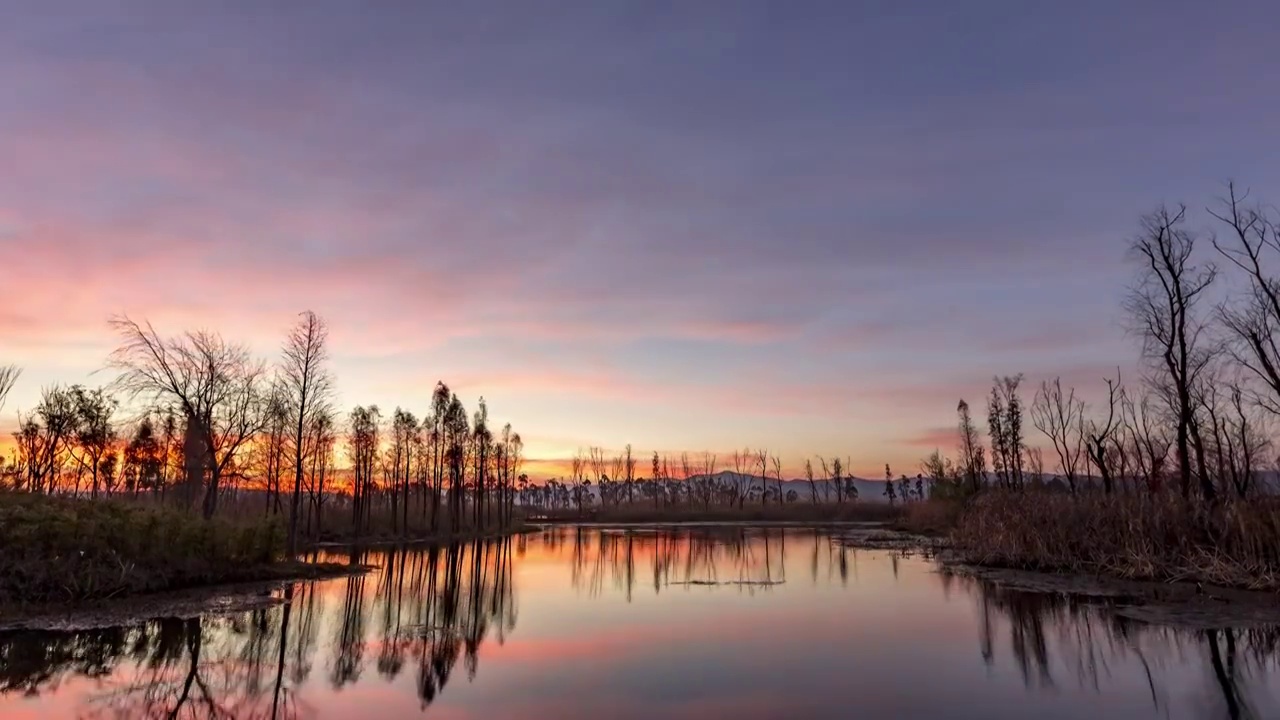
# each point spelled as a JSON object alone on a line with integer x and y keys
{"x": 63, "y": 550}
{"x": 1135, "y": 536}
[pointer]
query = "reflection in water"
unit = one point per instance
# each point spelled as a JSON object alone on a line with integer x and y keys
{"x": 1091, "y": 640}
{"x": 615, "y": 602}
{"x": 750, "y": 560}
{"x": 428, "y": 609}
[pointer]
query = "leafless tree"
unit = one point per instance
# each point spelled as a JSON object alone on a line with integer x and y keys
{"x": 741, "y": 466}
{"x": 777, "y": 475}
{"x": 308, "y": 387}
{"x": 1004, "y": 424}
{"x": 94, "y": 434}
{"x": 762, "y": 459}
{"x": 8, "y": 377}
{"x": 1060, "y": 416}
{"x": 1162, "y": 306}
{"x": 1035, "y": 464}
{"x": 1099, "y": 438}
{"x": 808, "y": 476}
{"x": 215, "y": 384}
{"x": 709, "y": 466}
{"x": 1148, "y": 436}
{"x": 1238, "y": 436}
{"x": 1253, "y": 319}
{"x": 686, "y": 469}
{"x": 629, "y": 467}
{"x": 44, "y": 438}
{"x": 972, "y": 454}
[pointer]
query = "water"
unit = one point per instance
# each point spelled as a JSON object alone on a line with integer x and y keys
{"x": 591, "y": 623}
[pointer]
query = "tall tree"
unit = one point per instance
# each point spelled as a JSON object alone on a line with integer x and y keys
{"x": 8, "y": 377}
{"x": 215, "y": 384}
{"x": 44, "y": 438}
{"x": 362, "y": 450}
{"x": 440, "y": 399}
{"x": 1163, "y": 308}
{"x": 1100, "y": 437}
{"x": 1004, "y": 423}
{"x": 308, "y": 388}
{"x": 1253, "y": 317}
{"x": 1060, "y": 416}
{"x": 143, "y": 458}
{"x": 94, "y": 433}
{"x": 972, "y": 454}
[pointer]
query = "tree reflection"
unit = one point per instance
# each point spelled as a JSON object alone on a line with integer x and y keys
{"x": 746, "y": 558}
{"x": 428, "y": 608}
{"x": 1051, "y": 635}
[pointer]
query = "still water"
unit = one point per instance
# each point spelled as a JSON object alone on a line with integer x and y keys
{"x": 645, "y": 623}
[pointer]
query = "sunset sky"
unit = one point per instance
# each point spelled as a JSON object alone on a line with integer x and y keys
{"x": 808, "y": 226}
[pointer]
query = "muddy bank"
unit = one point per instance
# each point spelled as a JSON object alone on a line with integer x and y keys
{"x": 1189, "y": 606}
{"x": 1185, "y": 605}
{"x": 388, "y": 542}
{"x": 833, "y": 527}
{"x": 264, "y": 590}
{"x": 879, "y": 536}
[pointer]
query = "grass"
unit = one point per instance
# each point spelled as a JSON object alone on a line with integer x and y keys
{"x": 790, "y": 512}
{"x": 933, "y": 517}
{"x": 63, "y": 549}
{"x": 1138, "y": 536}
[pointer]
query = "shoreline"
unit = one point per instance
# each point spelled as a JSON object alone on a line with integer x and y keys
{"x": 1181, "y": 604}
{"x": 384, "y": 542}
{"x": 256, "y": 590}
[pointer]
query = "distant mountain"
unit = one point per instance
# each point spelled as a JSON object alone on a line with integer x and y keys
{"x": 868, "y": 490}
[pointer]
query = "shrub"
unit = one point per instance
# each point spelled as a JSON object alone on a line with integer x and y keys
{"x": 54, "y": 548}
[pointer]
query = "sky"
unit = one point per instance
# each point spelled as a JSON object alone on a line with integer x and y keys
{"x": 806, "y": 226}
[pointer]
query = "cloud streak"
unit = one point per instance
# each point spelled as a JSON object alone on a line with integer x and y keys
{"x": 807, "y": 230}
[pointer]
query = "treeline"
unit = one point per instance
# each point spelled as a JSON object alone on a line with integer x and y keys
{"x": 1172, "y": 476}
{"x": 1205, "y": 306}
{"x": 700, "y": 480}
{"x": 215, "y": 428}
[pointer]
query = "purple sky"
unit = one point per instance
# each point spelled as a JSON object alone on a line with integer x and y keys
{"x": 810, "y": 226}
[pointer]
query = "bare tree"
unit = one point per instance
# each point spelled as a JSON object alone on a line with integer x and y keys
{"x": 215, "y": 384}
{"x": 1253, "y": 319}
{"x": 1148, "y": 436}
{"x": 972, "y": 454}
{"x": 1099, "y": 437}
{"x": 1061, "y": 417}
{"x": 1004, "y": 420}
{"x": 94, "y": 435}
{"x": 8, "y": 377}
{"x": 44, "y": 438}
{"x": 762, "y": 459}
{"x": 808, "y": 476}
{"x": 709, "y": 466}
{"x": 1163, "y": 308}
{"x": 777, "y": 475}
{"x": 308, "y": 388}
{"x": 741, "y": 465}
{"x": 1035, "y": 464}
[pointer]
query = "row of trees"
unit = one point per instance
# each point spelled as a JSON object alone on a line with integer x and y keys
{"x": 698, "y": 480}
{"x": 214, "y": 422}
{"x": 1201, "y": 417}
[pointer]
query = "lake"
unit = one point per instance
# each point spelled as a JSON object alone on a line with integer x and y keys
{"x": 645, "y": 623}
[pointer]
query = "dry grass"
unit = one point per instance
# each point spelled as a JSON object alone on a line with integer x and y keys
{"x": 933, "y": 517}
{"x": 63, "y": 549}
{"x": 790, "y": 512}
{"x": 1134, "y": 536}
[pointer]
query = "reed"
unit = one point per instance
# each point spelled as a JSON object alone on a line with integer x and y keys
{"x": 1136, "y": 535}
